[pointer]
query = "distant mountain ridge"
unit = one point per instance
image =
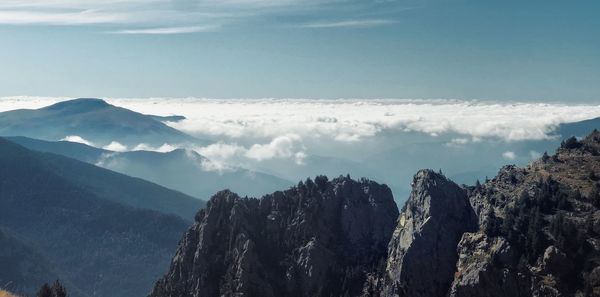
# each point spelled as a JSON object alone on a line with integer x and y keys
{"x": 90, "y": 240}
{"x": 179, "y": 169}
{"x": 117, "y": 187}
{"x": 94, "y": 120}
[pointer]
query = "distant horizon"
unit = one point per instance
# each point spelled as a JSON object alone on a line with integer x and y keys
{"x": 490, "y": 99}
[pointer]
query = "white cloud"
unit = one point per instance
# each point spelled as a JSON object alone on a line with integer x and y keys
{"x": 83, "y": 17}
{"x": 458, "y": 142}
{"x": 354, "y": 120}
{"x": 165, "y": 148}
{"x": 280, "y": 147}
{"x": 226, "y": 156}
{"x": 78, "y": 139}
{"x": 299, "y": 158}
{"x": 221, "y": 156}
{"x": 508, "y": 155}
{"x": 115, "y": 147}
{"x": 349, "y": 120}
{"x": 107, "y": 160}
{"x": 364, "y": 23}
{"x": 168, "y": 30}
{"x": 154, "y": 13}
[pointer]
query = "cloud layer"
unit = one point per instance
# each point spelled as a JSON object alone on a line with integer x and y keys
{"x": 355, "y": 120}
{"x": 249, "y": 131}
{"x": 348, "y": 120}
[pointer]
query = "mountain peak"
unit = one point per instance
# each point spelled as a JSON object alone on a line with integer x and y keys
{"x": 286, "y": 243}
{"x": 79, "y": 105}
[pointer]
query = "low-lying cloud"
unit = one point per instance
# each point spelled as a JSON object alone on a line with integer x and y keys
{"x": 350, "y": 120}
{"x": 245, "y": 132}
{"x": 164, "y": 148}
{"x": 78, "y": 139}
{"x": 355, "y": 120}
{"x": 226, "y": 156}
{"x": 115, "y": 146}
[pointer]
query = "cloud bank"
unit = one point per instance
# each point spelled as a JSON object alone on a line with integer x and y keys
{"x": 348, "y": 120}
{"x": 226, "y": 156}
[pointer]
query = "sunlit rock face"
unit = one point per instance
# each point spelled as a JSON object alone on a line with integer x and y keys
{"x": 422, "y": 252}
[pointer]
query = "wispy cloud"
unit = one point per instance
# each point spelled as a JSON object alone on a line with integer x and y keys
{"x": 29, "y": 17}
{"x": 350, "y": 23}
{"x": 181, "y": 16}
{"x": 509, "y": 155}
{"x": 168, "y": 30}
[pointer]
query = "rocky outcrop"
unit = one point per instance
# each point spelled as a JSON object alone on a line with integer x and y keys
{"x": 320, "y": 238}
{"x": 536, "y": 235}
{"x": 532, "y": 231}
{"x": 422, "y": 253}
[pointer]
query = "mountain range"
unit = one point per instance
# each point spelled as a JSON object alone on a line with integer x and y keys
{"x": 180, "y": 169}
{"x": 106, "y": 223}
{"x": 392, "y": 162}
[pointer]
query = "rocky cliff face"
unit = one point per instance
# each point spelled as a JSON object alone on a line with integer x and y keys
{"x": 532, "y": 231}
{"x": 539, "y": 229}
{"x": 320, "y": 238}
{"x": 422, "y": 252}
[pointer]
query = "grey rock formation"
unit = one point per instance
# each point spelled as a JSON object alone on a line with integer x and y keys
{"x": 537, "y": 235}
{"x": 320, "y": 238}
{"x": 532, "y": 231}
{"x": 422, "y": 253}
{"x": 482, "y": 268}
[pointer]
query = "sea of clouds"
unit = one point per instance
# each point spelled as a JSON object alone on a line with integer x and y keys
{"x": 264, "y": 129}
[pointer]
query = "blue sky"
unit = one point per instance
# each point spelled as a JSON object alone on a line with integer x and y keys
{"x": 499, "y": 50}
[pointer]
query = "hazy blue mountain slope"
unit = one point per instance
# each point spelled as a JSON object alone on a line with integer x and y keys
{"x": 94, "y": 120}
{"x": 102, "y": 247}
{"x": 22, "y": 268}
{"x": 577, "y": 129}
{"x": 183, "y": 170}
{"x": 112, "y": 185}
{"x": 180, "y": 169}
{"x": 75, "y": 150}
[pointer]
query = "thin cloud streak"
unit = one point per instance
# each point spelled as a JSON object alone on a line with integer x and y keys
{"x": 351, "y": 23}
{"x": 84, "y": 17}
{"x": 168, "y": 30}
{"x": 178, "y": 14}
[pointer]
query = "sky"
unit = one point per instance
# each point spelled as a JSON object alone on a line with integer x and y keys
{"x": 542, "y": 51}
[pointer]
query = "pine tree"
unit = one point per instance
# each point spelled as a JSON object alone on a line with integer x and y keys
{"x": 545, "y": 157}
{"x": 59, "y": 290}
{"x": 571, "y": 143}
{"x": 45, "y": 291}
